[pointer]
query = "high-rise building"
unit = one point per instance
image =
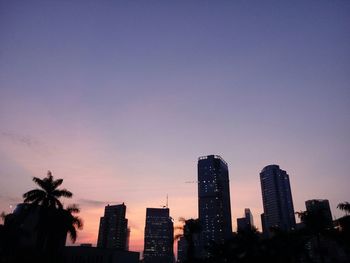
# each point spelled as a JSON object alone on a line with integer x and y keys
{"x": 214, "y": 200}
{"x": 246, "y": 222}
{"x": 114, "y": 232}
{"x": 321, "y": 209}
{"x": 182, "y": 247}
{"x": 263, "y": 225}
{"x": 277, "y": 199}
{"x": 159, "y": 234}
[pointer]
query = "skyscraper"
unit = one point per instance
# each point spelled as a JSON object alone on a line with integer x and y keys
{"x": 214, "y": 200}
{"x": 277, "y": 198}
{"x": 321, "y": 209}
{"x": 113, "y": 232}
{"x": 246, "y": 222}
{"x": 159, "y": 234}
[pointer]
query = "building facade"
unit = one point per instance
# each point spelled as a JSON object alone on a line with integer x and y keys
{"x": 245, "y": 223}
{"x": 159, "y": 234}
{"x": 277, "y": 199}
{"x": 321, "y": 208}
{"x": 214, "y": 200}
{"x": 113, "y": 231}
{"x": 182, "y": 247}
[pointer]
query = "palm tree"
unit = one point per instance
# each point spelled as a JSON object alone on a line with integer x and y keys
{"x": 54, "y": 221}
{"x": 48, "y": 195}
{"x": 344, "y": 207}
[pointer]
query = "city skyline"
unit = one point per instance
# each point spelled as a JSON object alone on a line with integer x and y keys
{"x": 120, "y": 99}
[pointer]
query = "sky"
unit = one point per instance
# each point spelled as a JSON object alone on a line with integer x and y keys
{"x": 120, "y": 98}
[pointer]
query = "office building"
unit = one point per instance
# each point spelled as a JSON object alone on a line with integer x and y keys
{"x": 214, "y": 200}
{"x": 263, "y": 225}
{"x": 159, "y": 234}
{"x": 182, "y": 248}
{"x": 321, "y": 209}
{"x": 277, "y": 199}
{"x": 189, "y": 252}
{"x": 245, "y": 223}
{"x": 114, "y": 232}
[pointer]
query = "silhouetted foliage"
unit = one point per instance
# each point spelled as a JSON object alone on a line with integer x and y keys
{"x": 344, "y": 207}
{"x": 48, "y": 195}
{"x": 38, "y": 228}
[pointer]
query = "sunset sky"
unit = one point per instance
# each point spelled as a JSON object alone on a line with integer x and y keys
{"x": 120, "y": 98}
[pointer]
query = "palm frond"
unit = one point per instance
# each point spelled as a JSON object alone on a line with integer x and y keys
{"x": 62, "y": 193}
{"x": 73, "y": 209}
{"x": 72, "y": 233}
{"x": 78, "y": 222}
{"x": 49, "y": 176}
{"x": 57, "y": 203}
{"x": 57, "y": 183}
{"x": 33, "y": 195}
{"x": 41, "y": 182}
{"x": 345, "y": 206}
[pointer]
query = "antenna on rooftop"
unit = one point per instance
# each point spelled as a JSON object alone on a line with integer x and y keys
{"x": 167, "y": 202}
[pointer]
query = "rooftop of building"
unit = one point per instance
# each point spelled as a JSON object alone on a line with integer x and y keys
{"x": 212, "y": 156}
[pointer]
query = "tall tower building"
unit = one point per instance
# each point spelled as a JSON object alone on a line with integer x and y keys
{"x": 114, "y": 232}
{"x": 159, "y": 234}
{"x": 277, "y": 199}
{"x": 214, "y": 200}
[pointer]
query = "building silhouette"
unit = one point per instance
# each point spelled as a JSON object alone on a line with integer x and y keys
{"x": 263, "y": 225}
{"x": 187, "y": 252}
{"x": 182, "y": 247}
{"x": 277, "y": 199}
{"x": 159, "y": 234}
{"x": 245, "y": 223}
{"x": 321, "y": 208}
{"x": 214, "y": 200}
{"x": 114, "y": 232}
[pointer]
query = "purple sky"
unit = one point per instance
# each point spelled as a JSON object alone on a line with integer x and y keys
{"x": 120, "y": 98}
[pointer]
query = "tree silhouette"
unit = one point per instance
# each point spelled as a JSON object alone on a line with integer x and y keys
{"x": 54, "y": 221}
{"x": 72, "y": 222}
{"x": 316, "y": 223}
{"x": 344, "y": 223}
{"x": 48, "y": 196}
{"x": 345, "y": 206}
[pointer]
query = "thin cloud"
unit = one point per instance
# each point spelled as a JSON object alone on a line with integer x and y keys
{"x": 93, "y": 203}
{"x": 26, "y": 141}
{"x": 18, "y": 138}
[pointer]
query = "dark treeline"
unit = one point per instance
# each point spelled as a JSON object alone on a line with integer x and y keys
{"x": 315, "y": 241}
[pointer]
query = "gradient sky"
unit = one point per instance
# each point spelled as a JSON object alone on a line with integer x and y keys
{"x": 120, "y": 98}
